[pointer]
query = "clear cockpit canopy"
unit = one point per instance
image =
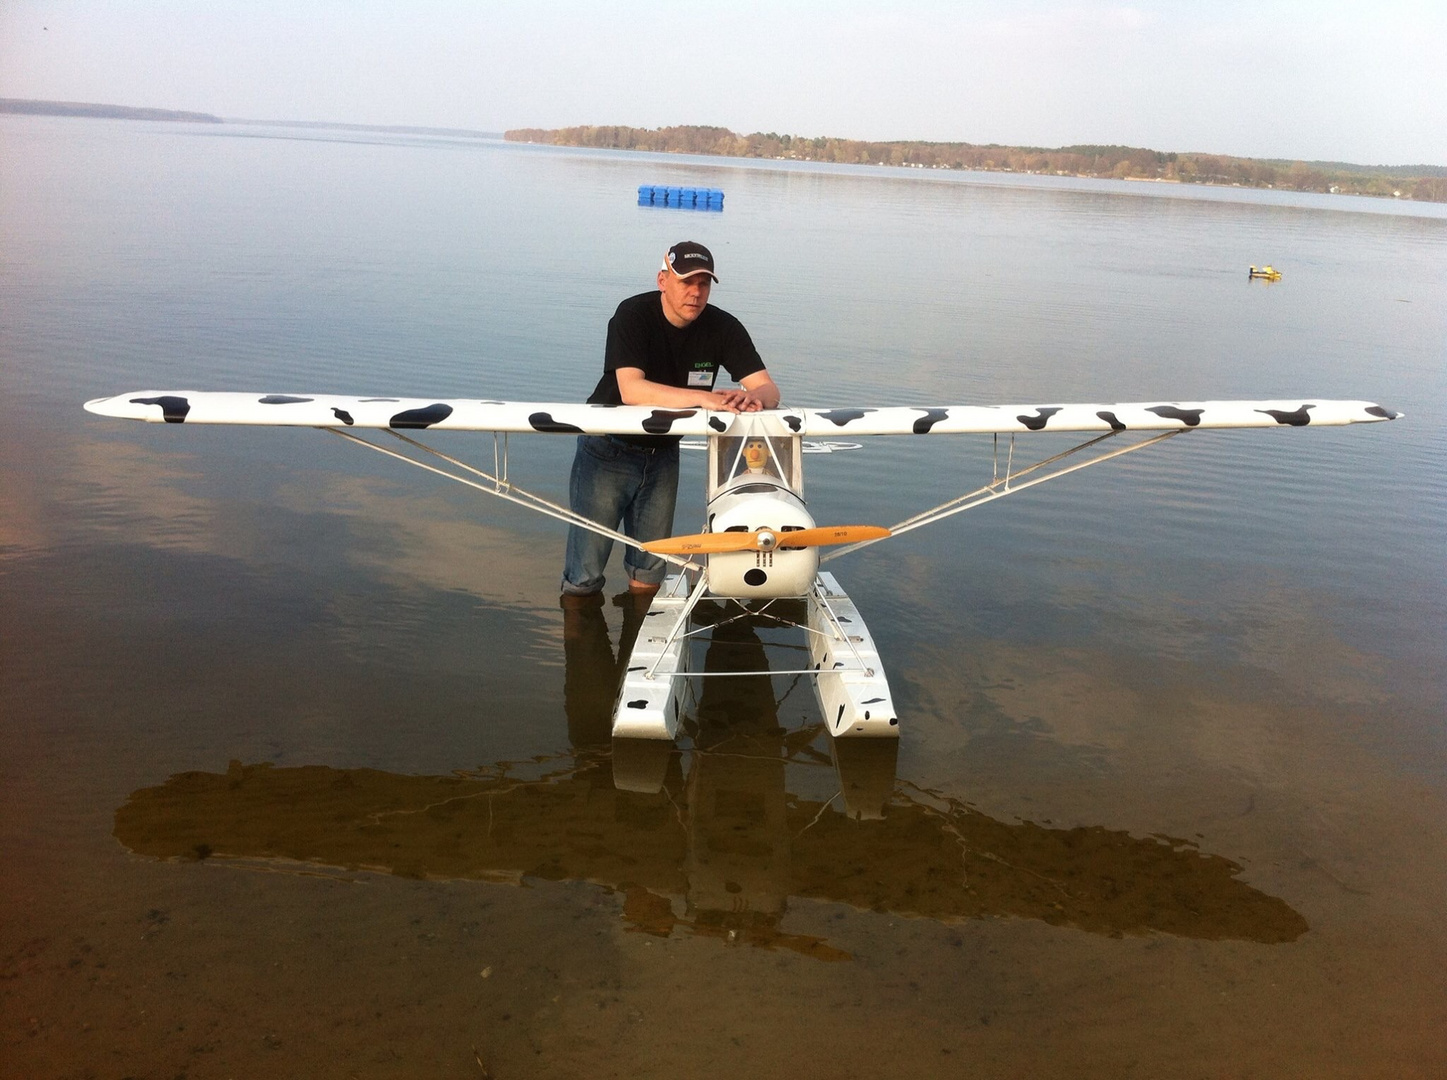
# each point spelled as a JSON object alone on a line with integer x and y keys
{"x": 734, "y": 458}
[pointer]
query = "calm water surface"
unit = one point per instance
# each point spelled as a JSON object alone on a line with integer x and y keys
{"x": 305, "y": 774}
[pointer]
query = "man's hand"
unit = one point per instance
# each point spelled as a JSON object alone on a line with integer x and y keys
{"x": 736, "y": 401}
{"x": 759, "y": 392}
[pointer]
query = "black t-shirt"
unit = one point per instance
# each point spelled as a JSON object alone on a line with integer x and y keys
{"x": 640, "y": 336}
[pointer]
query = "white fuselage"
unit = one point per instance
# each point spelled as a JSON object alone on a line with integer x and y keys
{"x": 747, "y": 504}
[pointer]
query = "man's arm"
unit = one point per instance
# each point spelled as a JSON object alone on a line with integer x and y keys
{"x": 637, "y": 390}
{"x": 760, "y": 392}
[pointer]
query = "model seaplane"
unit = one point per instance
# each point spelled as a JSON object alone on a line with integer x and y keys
{"x": 760, "y": 548}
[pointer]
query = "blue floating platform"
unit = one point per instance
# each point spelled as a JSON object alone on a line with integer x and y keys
{"x": 680, "y": 198}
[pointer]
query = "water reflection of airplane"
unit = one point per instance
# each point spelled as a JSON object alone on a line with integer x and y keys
{"x": 711, "y": 842}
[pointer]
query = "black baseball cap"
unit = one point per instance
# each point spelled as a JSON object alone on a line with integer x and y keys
{"x": 689, "y": 258}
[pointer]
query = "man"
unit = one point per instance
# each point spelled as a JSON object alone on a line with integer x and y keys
{"x": 664, "y": 348}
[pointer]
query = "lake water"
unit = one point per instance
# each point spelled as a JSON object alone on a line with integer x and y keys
{"x": 304, "y": 772}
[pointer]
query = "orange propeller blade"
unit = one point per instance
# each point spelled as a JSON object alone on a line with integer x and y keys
{"x": 824, "y": 535}
{"x": 765, "y": 539}
{"x": 705, "y": 543}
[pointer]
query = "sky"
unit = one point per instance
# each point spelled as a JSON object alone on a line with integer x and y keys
{"x": 1316, "y": 81}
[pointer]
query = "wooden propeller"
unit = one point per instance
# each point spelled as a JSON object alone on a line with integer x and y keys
{"x": 764, "y": 539}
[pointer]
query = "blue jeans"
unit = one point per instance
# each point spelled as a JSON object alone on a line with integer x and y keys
{"x": 615, "y": 482}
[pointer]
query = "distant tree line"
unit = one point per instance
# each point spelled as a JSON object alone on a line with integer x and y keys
{"x": 105, "y": 112}
{"x": 1425, "y": 182}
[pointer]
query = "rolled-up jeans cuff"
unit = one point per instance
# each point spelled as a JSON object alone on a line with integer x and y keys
{"x": 649, "y": 575}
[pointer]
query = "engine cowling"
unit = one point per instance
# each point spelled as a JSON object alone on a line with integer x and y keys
{"x": 756, "y": 504}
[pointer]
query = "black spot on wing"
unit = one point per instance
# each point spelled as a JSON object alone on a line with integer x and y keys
{"x": 930, "y": 418}
{"x": 284, "y": 399}
{"x": 541, "y": 421}
{"x": 660, "y": 421}
{"x": 424, "y": 417}
{"x": 641, "y": 703}
{"x": 1296, "y": 418}
{"x": 796, "y": 423}
{"x": 841, "y": 417}
{"x": 342, "y": 415}
{"x": 173, "y": 408}
{"x": 1111, "y": 419}
{"x": 1189, "y": 417}
{"x": 1040, "y": 419}
{"x": 1385, "y": 414}
{"x": 717, "y": 424}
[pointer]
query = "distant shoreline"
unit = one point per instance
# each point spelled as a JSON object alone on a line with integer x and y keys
{"x": 25, "y": 107}
{"x": 105, "y": 112}
{"x": 1425, "y": 183}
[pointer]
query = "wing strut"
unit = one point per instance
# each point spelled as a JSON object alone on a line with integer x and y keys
{"x": 497, "y": 484}
{"x": 1001, "y": 486}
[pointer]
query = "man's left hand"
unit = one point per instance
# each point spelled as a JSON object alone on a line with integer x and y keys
{"x": 743, "y": 400}
{"x": 758, "y": 392}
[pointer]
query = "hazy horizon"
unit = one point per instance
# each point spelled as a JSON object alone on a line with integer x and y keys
{"x": 1277, "y": 79}
{"x": 499, "y": 132}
